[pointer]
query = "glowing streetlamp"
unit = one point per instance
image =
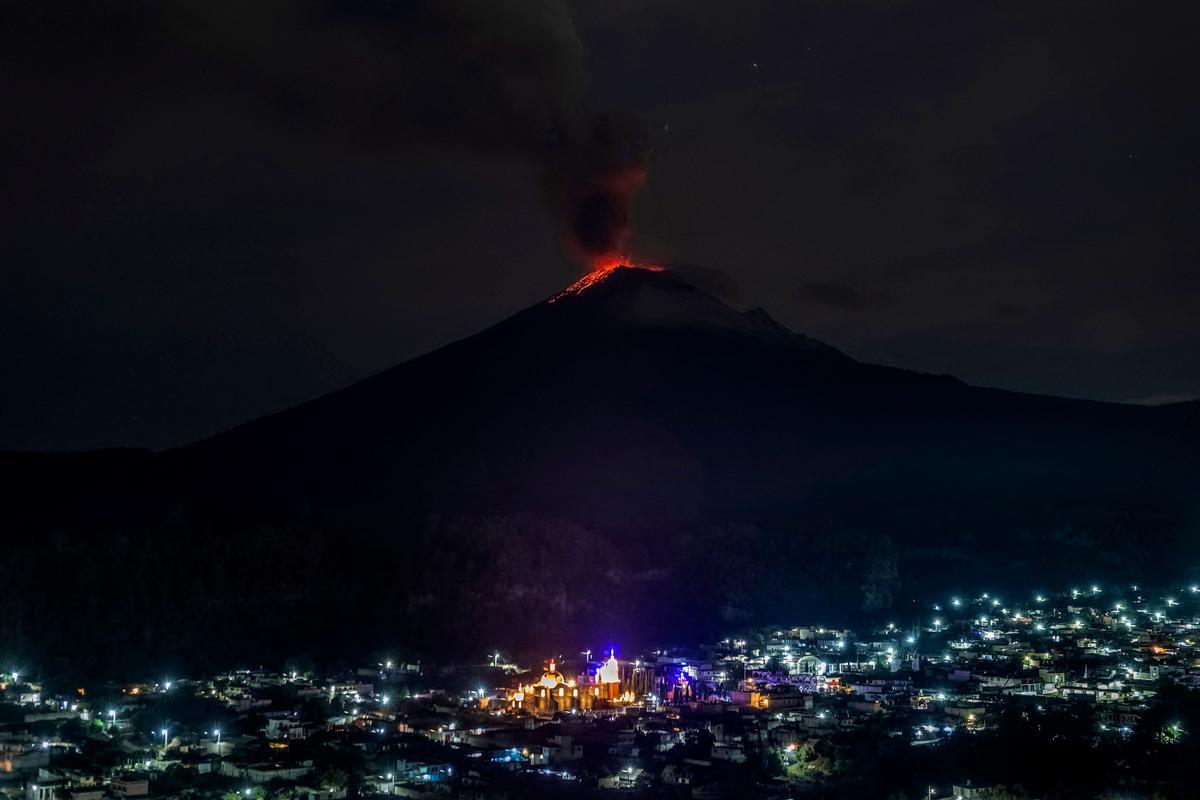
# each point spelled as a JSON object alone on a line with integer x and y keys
{"x": 164, "y": 735}
{"x": 217, "y": 731}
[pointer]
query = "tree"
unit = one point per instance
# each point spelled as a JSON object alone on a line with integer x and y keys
{"x": 335, "y": 781}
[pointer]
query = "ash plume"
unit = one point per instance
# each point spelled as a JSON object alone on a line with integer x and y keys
{"x": 592, "y": 184}
{"x": 497, "y": 77}
{"x": 521, "y": 63}
{"x": 506, "y": 75}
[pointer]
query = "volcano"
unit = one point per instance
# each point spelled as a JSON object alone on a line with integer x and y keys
{"x": 632, "y": 395}
{"x": 633, "y": 457}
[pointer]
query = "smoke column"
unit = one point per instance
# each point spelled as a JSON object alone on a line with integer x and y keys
{"x": 506, "y": 76}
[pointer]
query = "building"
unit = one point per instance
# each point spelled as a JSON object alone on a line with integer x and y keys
{"x": 611, "y": 685}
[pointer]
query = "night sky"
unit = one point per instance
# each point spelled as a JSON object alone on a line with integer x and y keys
{"x": 214, "y": 211}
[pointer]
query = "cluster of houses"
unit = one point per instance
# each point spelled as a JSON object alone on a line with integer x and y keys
{"x": 773, "y": 706}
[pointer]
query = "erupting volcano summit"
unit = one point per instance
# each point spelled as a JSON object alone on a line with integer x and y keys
{"x": 604, "y": 268}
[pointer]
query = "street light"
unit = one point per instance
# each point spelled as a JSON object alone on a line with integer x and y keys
{"x": 217, "y": 731}
{"x": 164, "y": 735}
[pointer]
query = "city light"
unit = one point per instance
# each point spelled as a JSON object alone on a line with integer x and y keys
{"x": 790, "y": 660}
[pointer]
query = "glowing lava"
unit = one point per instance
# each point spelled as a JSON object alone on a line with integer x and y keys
{"x": 603, "y": 268}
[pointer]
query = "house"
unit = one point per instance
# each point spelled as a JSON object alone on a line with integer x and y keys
{"x": 130, "y": 786}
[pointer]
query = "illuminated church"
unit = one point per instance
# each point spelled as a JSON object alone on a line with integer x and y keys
{"x": 553, "y": 692}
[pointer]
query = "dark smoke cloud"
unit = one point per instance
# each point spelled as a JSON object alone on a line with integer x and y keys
{"x": 511, "y": 74}
{"x": 593, "y": 180}
{"x": 494, "y": 76}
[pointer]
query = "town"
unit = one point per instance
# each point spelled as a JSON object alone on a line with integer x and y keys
{"x": 1103, "y": 673}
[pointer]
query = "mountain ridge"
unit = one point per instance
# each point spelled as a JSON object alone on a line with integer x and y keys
{"x": 634, "y": 441}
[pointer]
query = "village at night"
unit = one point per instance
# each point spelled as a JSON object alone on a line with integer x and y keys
{"x": 1103, "y": 679}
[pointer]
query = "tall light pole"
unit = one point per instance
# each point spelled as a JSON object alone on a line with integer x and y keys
{"x": 217, "y": 731}
{"x": 164, "y": 735}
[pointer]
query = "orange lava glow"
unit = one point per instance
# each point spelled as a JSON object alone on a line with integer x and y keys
{"x": 602, "y": 268}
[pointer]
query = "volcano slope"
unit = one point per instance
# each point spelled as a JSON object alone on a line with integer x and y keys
{"x": 634, "y": 459}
